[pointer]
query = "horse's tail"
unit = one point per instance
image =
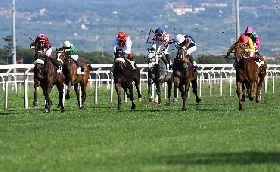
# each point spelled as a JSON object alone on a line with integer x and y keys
{"x": 90, "y": 68}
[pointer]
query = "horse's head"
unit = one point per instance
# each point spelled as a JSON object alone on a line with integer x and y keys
{"x": 119, "y": 58}
{"x": 240, "y": 51}
{"x": 183, "y": 59}
{"x": 61, "y": 55}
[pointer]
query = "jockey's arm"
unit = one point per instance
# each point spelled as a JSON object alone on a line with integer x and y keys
{"x": 188, "y": 42}
{"x": 258, "y": 42}
{"x": 230, "y": 49}
{"x": 168, "y": 42}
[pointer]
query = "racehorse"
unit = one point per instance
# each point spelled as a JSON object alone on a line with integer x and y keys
{"x": 74, "y": 76}
{"x": 124, "y": 75}
{"x": 45, "y": 76}
{"x": 246, "y": 74}
{"x": 184, "y": 74}
{"x": 260, "y": 78}
{"x": 158, "y": 74}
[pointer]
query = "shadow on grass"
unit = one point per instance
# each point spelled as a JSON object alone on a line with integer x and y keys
{"x": 247, "y": 157}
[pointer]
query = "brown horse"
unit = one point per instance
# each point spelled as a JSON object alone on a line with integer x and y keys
{"x": 74, "y": 76}
{"x": 184, "y": 74}
{"x": 260, "y": 78}
{"x": 124, "y": 75}
{"x": 45, "y": 76}
{"x": 246, "y": 74}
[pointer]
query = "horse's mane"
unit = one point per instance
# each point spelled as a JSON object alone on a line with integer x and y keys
{"x": 240, "y": 52}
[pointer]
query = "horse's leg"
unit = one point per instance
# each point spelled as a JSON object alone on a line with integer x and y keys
{"x": 130, "y": 88}
{"x": 84, "y": 95}
{"x": 158, "y": 90}
{"x": 176, "y": 86}
{"x": 182, "y": 89}
{"x": 67, "y": 96}
{"x": 60, "y": 85}
{"x": 169, "y": 87}
{"x": 118, "y": 90}
{"x": 47, "y": 99}
{"x": 137, "y": 82}
{"x": 238, "y": 92}
{"x": 194, "y": 86}
{"x": 252, "y": 89}
{"x": 150, "y": 84}
{"x": 35, "y": 102}
{"x": 245, "y": 92}
{"x": 77, "y": 94}
{"x": 259, "y": 86}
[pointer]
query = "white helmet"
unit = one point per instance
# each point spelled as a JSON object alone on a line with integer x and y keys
{"x": 179, "y": 38}
{"x": 67, "y": 44}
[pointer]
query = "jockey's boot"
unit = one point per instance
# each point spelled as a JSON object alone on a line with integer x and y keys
{"x": 257, "y": 58}
{"x": 79, "y": 64}
{"x": 234, "y": 65}
{"x": 193, "y": 62}
{"x": 168, "y": 62}
{"x": 133, "y": 64}
{"x": 113, "y": 67}
{"x": 56, "y": 63}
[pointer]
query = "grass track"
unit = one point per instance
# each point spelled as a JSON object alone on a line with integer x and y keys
{"x": 213, "y": 136}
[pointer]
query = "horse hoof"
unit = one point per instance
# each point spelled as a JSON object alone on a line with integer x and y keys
{"x": 46, "y": 111}
{"x": 140, "y": 96}
{"x": 133, "y": 107}
{"x": 241, "y": 107}
{"x": 251, "y": 98}
{"x": 168, "y": 104}
{"x": 184, "y": 109}
{"x": 59, "y": 105}
{"x": 159, "y": 104}
{"x": 67, "y": 96}
{"x": 35, "y": 103}
{"x": 198, "y": 100}
{"x": 139, "y": 99}
{"x": 150, "y": 99}
{"x": 62, "y": 110}
{"x": 175, "y": 99}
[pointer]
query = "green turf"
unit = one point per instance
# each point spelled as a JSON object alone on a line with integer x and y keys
{"x": 209, "y": 137}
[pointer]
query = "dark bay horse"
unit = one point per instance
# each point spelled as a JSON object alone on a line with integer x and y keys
{"x": 158, "y": 74}
{"x": 45, "y": 76}
{"x": 246, "y": 74}
{"x": 184, "y": 74}
{"x": 124, "y": 76}
{"x": 74, "y": 76}
{"x": 261, "y": 75}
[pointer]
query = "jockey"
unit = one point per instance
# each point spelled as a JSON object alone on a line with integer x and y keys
{"x": 249, "y": 47}
{"x": 187, "y": 42}
{"x": 254, "y": 36}
{"x": 69, "y": 47}
{"x": 160, "y": 37}
{"x": 123, "y": 42}
{"x": 42, "y": 43}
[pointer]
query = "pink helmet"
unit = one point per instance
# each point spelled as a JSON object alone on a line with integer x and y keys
{"x": 249, "y": 30}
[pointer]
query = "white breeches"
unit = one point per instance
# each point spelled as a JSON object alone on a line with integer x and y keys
{"x": 191, "y": 50}
{"x": 48, "y": 52}
{"x": 75, "y": 57}
{"x": 158, "y": 48}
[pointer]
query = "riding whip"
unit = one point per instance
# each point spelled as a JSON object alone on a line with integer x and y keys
{"x": 29, "y": 37}
{"x": 151, "y": 30}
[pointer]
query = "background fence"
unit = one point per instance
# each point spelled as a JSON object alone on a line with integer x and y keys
{"x": 13, "y": 77}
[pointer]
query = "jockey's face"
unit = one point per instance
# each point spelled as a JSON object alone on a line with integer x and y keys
{"x": 158, "y": 35}
{"x": 42, "y": 44}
